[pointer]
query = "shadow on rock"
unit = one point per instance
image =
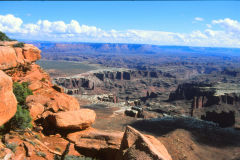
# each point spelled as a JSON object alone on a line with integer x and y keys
{"x": 203, "y": 132}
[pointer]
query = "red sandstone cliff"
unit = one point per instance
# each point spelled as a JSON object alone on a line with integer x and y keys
{"x": 19, "y": 64}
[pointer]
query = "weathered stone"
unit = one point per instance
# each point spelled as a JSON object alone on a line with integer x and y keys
{"x": 35, "y": 109}
{"x": 97, "y": 143}
{"x": 135, "y": 146}
{"x": 28, "y": 148}
{"x": 8, "y": 58}
{"x": 31, "y": 53}
{"x": 75, "y": 120}
{"x": 8, "y": 101}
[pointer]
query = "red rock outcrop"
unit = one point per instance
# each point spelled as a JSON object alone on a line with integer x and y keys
{"x": 73, "y": 120}
{"x": 136, "y": 146}
{"x": 97, "y": 143}
{"x": 19, "y": 64}
{"x": 12, "y": 57}
{"x": 8, "y": 101}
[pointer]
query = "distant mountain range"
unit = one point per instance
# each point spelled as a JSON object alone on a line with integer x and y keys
{"x": 119, "y": 48}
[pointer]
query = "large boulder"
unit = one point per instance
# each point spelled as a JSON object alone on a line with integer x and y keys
{"x": 96, "y": 143}
{"x": 136, "y": 146}
{"x": 35, "y": 109}
{"x": 8, "y": 102}
{"x": 31, "y": 53}
{"x": 73, "y": 120}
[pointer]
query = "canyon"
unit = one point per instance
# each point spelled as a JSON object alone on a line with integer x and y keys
{"x": 136, "y": 104}
{"x": 55, "y": 113}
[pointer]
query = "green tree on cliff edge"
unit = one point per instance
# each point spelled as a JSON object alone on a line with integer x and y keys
{"x": 4, "y": 37}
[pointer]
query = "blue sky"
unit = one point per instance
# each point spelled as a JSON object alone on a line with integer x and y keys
{"x": 207, "y": 23}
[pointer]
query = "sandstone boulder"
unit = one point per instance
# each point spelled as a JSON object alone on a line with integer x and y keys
{"x": 35, "y": 109}
{"x": 136, "y": 146}
{"x": 73, "y": 120}
{"x": 8, "y": 102}
{"x": 31, "y": 53}
{"x": 97, "y": 143}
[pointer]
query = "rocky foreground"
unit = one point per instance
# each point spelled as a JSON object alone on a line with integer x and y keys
{"x": 60, "y": 127}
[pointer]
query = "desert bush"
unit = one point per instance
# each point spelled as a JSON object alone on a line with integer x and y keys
{"x": 21, "y": 92}
{"x": 43, "y": 79}
{"x": 41, "y": 154}
{"x": 37, "y": 136}
{"x": 19, "y": 44}
{"x": 12, "y": 146}
{"x": 21, "y": 120}
{"x": 72, "y": 157}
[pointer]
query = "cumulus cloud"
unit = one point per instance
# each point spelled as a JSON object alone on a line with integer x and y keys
{"x": 228, "y": 24}
{"x": 198, "y": 19}
{"x": 47, "y": 30}
{"x": 10, "y": 23}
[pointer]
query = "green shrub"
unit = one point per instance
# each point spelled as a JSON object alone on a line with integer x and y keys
{"x": 4, "y": 37}
{"x": 31, "y": 142}
{"x": 19, "y": 44}
{"x": 43, "y": 79}
{"x": 41, "y": 154}
{"x": 72, "y": 157}
{"x": 12, "y": 146}
{"x": 37, "y": 136}
{"x": 21, "y": 92}
{"x": 21, "y": 120}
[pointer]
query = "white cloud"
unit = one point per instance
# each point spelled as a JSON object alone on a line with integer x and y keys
{"x": 228, "y": 36}
{"x": 10, "y": 23}
{"x": 198, "y": 19}
{"x": 228, "y": 24}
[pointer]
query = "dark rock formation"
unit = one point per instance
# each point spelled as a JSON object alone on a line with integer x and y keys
{"x": 204, "y": 95}
{"x": 224, "y": 119}
{"x": 219, "y": 103}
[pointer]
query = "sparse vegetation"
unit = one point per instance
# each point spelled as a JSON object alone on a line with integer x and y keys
{"x": 12, "y": 146}
{"x": 22, "y": 118}
{"x": 19, "y": 44}
{"x": 37, "y": 136}
{"x": 21, "y": 92}
{"x": 58, "y": 149}
{"x": 43, "y": 79}
{"x": 31, "y": 142}
{"x": 41, "y": 154}
{"x": 72, "y": 157}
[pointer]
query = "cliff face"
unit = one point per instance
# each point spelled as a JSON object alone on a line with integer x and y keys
{"x": 12, "y": 57}
{"x": 124, "y": 82}
{"x": 8, "y": 101}
{"x": 18, "y": 63}
{"x": 213, "y": 102}
{"x": 205, "y": 95}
